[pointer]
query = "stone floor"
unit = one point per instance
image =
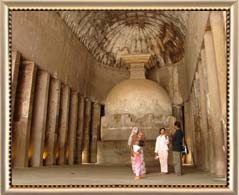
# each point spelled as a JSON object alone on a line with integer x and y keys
{"x": 113, "y": 175}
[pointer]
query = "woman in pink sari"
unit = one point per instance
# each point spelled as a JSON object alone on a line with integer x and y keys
{"x": 137, "y": 138}
{"x": 137, "y": 160}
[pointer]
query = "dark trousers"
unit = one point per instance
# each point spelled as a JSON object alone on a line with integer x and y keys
{"x": 177, "y": 162}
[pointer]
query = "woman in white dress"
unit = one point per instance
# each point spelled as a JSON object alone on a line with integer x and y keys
{"x": 161, "y": 150}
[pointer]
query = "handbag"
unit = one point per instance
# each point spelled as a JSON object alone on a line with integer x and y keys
{"x": 184, "y": 149}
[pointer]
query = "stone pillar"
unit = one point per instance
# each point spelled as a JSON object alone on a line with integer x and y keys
{"x": 72, "y": 127}
{"x": 188, "y": 132}
{"x": 15, "y": 70}
{"x": 52, "y": 120}
{"x": 210, "y": 138}
{"x": 178, "y": 114}
{"x": 95, "y": 130}
{"x": 86, "y": 134}
{"x": 39, "y": 117}
{"x": 23, "y": 113}
{"x": 200, "y": 145}
{"x": 192, "y": 126}
{"x": 196, "y": 126}
{"x": 203, "y": 115}
{"x": 80, "y": 128}
{"x": 219, "y": 41}
{"x": 215, "y": 108}
{"x": 63, "y": 124}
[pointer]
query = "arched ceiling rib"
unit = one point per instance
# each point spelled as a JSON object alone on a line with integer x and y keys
{"x": 109, "y": 34}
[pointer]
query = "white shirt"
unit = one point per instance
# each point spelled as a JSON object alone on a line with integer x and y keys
{"x": 162, "y": 142}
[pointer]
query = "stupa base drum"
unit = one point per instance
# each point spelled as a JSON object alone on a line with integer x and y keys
{"x": 119, "y": 126}
{"x": 115, "y": 131}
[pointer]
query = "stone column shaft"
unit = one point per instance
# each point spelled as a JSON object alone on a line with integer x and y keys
{"x": 210, "y": 145}
{"x": 192, "y": 126}
{"x": 178, "y": 113}
{"x": 196, "y": 126}
{"x": 80, "y": 128}
{"x": 188, "y": 132}
{"x": 39, "y": 117}
{"x": 52, "y": 120}
{"x": 72, "y": 127}
{"x": 219, "y": 40}
{"x": 23, "y": 113}
{"x": 203, "y": 116}
{"x": 95, "y": 130}
{"x": 86, "y": 135}
{"x": 215, "y": 109}
{"x": 63, "y": 123}
{"x": 15, "y": 71}
{"x": 201, "y": 150}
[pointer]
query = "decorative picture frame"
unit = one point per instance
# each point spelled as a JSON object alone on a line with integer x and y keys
{"x": 232, "y": 8}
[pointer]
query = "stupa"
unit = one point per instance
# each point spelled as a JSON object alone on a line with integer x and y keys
{"x": 138, "y": 102}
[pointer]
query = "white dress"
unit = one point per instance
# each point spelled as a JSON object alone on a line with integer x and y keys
{"x": 161, "y": 148}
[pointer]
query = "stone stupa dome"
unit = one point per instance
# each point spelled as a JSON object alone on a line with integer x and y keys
{"x": 138, "y": 97}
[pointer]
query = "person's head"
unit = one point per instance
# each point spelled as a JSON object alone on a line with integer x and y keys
{"x": 140, "y": 133}
{"x": 135, "y": 130}
{"x": 177, "y": 124}
{"x": 162, "y": 131}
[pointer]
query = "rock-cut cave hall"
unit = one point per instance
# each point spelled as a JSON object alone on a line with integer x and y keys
{"x": 81, "y": 80}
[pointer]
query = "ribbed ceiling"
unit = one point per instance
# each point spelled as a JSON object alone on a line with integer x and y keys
{"x": 109, "y": 34}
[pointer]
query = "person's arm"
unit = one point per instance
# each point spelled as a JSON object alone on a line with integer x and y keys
{"x": 131, "y": 151}
{"x": 137, "y": 154}
{"x": 156, "y": 146}
{"x": 172, "y": 132}
{"x": 130, "y": 141}
{"x": 183, "y": 138}
{"x": 130, "y": 145}
{"x": 166, "y": 140}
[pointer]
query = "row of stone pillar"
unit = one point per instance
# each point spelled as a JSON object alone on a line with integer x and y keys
{"x": 52, "y": 124}
{"x": 205, "y": 112}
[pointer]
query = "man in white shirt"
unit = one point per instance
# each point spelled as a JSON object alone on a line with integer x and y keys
{"x": 161, "y": 150}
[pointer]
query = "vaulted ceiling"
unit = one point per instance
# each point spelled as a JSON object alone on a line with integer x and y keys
{"x": 109, "y": 34}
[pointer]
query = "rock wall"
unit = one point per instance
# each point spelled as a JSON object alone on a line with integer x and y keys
{"x": 45, "y": 39}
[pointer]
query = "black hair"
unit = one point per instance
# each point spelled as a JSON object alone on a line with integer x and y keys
{"x": 161, "y": 129}
{"x": 177, "y": 124}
